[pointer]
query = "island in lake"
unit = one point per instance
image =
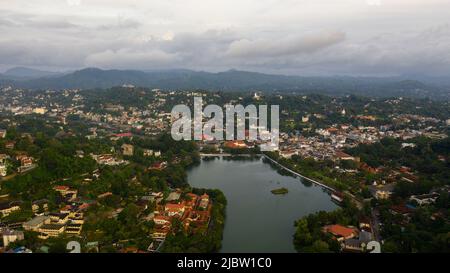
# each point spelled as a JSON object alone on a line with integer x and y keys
{"x": 279, "y": 191}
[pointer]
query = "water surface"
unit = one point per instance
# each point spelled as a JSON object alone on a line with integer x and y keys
{"x": 257, "y": 220}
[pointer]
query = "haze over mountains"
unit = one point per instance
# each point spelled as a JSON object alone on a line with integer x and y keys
{"x": 231, "y": 80}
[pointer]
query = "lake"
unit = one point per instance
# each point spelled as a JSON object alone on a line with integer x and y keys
{"x": 257, "y": 220}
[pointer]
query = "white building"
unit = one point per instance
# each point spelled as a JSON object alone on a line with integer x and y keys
{"x": 10, "y": 236}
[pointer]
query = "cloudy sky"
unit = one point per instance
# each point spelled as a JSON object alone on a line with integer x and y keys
{"x": 303, "y": 37}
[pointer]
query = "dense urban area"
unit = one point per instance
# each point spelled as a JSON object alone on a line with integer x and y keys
{"x": 99, "y": 167}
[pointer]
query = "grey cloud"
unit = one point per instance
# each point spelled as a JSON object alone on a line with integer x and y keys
{"x": 126, "y": 58}
{"x": 284, "y": 47}
{"x": 295, "y": 37}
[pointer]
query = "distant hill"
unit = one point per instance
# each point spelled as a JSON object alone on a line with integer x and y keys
{"x": 27, "y": 73}
{"x": 232, "y": 80}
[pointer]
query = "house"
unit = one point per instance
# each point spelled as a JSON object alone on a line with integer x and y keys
{"x": 341, "y": 232}
{"x": 3, "y": 170}
{"x": 3, "y": 162}
{"x": 158, "y": 166}
{"x": 174, "y": 209}
{"x": 425, "y": 199}
{"x": 160, "y": 233}
{"x": 65, "y": 191}
{"x": 162, "y": 220}
{"x": 10, "y": 236}
{"x": 26, "y": 163}
{"x": 6, "y": 208}
{"x": 39, "y": 205}
{"x": 343, "y": 156}
{"x": 365, "y": 224}
{"x": 287, "y": 153}
{"x": 380, "y": 194}
{"x": 204, "y": 201}
{"x": 127, "y": 149}
{"x": 10, "y": 145}
{"x": 62, "y": 189}
{"x": 121, "y": 135}
{"x": 104, "y": 195}
{"x": 357, "y": 244}
{"x": 148, "y": 152}
{"x": 236, "y": 144}
{"x": 400, "y": 209}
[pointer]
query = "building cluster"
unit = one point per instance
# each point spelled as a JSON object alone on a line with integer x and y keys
{"x": 107, "y": 118}
{"x": 328, "y": 143}
{"x": 193, "y": 212}
{"x": 67, "y": 218}
{"x": 352, "y": 239}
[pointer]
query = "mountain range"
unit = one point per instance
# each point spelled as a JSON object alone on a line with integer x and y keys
{"x": 231, "y": 80}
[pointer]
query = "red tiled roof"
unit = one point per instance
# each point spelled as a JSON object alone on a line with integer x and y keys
{"x": 124, "y": 135}
{"x": 175, "y": 207}
{"x": 61, "y": 188}
{"x": 339, "y": 230}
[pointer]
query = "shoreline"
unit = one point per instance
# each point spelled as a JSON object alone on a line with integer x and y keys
{"x": 320, "y": 184}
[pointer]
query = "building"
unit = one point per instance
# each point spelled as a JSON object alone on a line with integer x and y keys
{"x": 158, "y": 166}
{"x": 162, "y": 220}
{"x": 148, "y": 152}
{"x": 65, "y": 191}
{"x": 3, "y": 167}
{"x": 424, "y": 199}
{"x": 204, "y": 201}
{"x": 127, "y": 149}
{"x": 235, "y": 144}
{"x": 10, "y": 145}
{"x": 3, "y": 170}
{"x": 7, "y": 208}
{"x": 343, "y": 156}
{"x": 39, "y": 205}
{"x": 380, "y": 194}
{"x": 51, "y": 230}
{"x": 37, "y": 222}
{"x": 39, "y": 110}
{"x": 59, "y": 218}
{"x": 73, "y": 229}
{"x": 341, "y": 232}
{"x": 174, "y": 209}
{"x": 10, "y": 236}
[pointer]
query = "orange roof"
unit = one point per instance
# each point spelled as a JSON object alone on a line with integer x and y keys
{"x": 339, "y": 230}
{"x": 192, "y": 195}
{"x": 174, "y": 207}
{"x": 61, "y": 188}
{"x": 235, "y": 144}
{"x": 162, "y": 217}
